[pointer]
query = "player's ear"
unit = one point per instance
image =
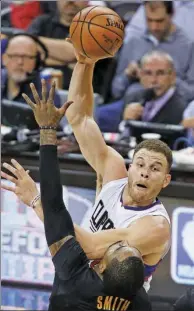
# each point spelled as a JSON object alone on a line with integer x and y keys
{"x": 102, "y": 266}
{"x": 167, "y": 180}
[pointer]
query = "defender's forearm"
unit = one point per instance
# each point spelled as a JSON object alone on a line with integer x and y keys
{"x": 81, "y": 92}
{"x": 103, "y": 239}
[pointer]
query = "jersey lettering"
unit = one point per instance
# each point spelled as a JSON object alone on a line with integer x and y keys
{"x": 100, "y": 219}
{"x": 112, "y": 303}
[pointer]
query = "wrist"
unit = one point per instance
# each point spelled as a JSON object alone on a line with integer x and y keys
{"x": 36, "y": 201}
{"x": 48, "y": 136}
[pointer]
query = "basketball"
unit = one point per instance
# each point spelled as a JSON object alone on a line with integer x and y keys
{"x": 97, "y": 32}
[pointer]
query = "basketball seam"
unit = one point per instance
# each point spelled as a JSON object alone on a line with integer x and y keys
{"x": 100, "y": 27}
{"x": 106, "y": 14}
{"x": 82, "y": 30}
{"x": 96, "y": 40}
{"x": 76, "y": 25}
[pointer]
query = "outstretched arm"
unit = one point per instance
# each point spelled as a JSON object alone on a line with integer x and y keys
{"x": 152, "y": 239}
{"x": 23, "y": 186}
{"x": 26, "y": 190}
{"x": 57, "y": 221}
{"x": 105, "y": 161}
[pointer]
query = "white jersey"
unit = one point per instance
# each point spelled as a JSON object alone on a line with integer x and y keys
{"x": 108, "y": 212}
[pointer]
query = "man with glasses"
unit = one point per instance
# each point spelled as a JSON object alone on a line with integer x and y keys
{"x": 21, "y": 66}
{"x": 156, "y": 72}
{"x": 161, "y": 33}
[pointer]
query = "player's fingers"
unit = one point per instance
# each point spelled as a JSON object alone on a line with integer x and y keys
{"x": 8, "y": 177}
{"x": 28, "y": 100}
{"x": 12, "y": 169}
{"x": 65, "y": 106}
{"x": 35, "y": 94}
{"x": 68, "y": 40}
{"x": 44, "y": 90}
{"x": 51, "y": 93}
{"x": 20, "y": 170}
{"x": 9, "y": 188}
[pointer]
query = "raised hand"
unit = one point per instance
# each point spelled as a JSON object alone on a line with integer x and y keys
{"x": 23, "y": 185}
{"x": 80, "y": 57}
{"x": 45, "y": 112}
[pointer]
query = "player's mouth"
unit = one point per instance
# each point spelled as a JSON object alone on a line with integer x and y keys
{"x": 141, "y": 186}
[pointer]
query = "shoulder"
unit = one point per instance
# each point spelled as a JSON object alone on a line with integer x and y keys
{"x": 134, "y": 38}
{"x": 134, "y": 96}
{"x": 183, "y": 38}
{"x": 115, "y": 166}
{"x": 158, "y": 225}
{"x": 189, "y": 110}
{"x": 177, "y": 96}
{"x": 42, "y": 18}
{"x": 39, "y": 22}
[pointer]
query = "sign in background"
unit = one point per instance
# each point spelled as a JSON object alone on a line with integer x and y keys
{"x": 182, "y": 253}
{"x": 25, "y": 256}
{"x": 23, "y": 242}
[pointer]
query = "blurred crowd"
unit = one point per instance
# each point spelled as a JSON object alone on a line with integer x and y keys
{"x": 151, "y": 79}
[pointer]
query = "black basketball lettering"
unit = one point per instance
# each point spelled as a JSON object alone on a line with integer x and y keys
{"x": 108, "y": 225}
{"x": 114, "y": 44}
{"x": 113, "y": 23}
{"x": 100, "y": 218}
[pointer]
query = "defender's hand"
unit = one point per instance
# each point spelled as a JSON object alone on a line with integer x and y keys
{"x": 45, "y": 112}
{"x": 24, "y": 186}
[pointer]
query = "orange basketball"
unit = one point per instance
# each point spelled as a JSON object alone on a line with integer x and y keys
{"x": 97, "y": 32}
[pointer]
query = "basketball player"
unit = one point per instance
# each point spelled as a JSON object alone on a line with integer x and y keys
{"x": 125, "y": 203}
{"x": 119, "y": 277}
{"x": 127, "y": 199}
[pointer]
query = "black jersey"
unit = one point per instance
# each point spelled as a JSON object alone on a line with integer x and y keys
{"x": 77, "y": 287}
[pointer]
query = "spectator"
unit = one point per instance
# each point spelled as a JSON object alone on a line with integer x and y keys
{"x": 157, "y": 72}
{"x": 53, "y": 29}
{"x": 161, "y": 34}
{"x": 188, "y": 121}
{"x": 183, "y": 18}
{"x": 22, "y": 13}
{"x": 21, "y": 60}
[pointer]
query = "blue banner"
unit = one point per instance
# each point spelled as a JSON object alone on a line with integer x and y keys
{"x": 182, "y": 250}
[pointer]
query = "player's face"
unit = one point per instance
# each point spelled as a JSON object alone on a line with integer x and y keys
{"x": 120, "y": 250}
{"x": 147, "y": 175}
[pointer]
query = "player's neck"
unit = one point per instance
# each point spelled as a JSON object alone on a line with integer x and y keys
{"x": 129, "y": 201}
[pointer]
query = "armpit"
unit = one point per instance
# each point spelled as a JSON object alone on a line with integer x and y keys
{"x": 55, "y": 247}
